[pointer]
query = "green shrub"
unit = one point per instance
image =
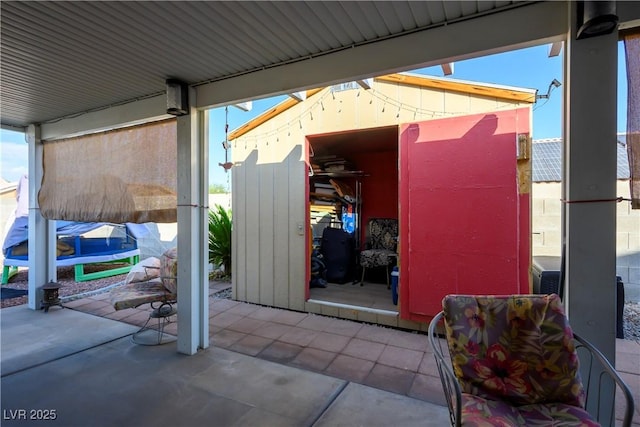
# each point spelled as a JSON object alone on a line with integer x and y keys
{"x": 220, "y": 238}
{"x": 217, "y": 189}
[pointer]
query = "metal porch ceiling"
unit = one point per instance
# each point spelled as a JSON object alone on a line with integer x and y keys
{"x": 62, "y": 58}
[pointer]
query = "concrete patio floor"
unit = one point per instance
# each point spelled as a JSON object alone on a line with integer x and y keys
{"x": 111, "y": 381}
{"x": 265, "y": 367}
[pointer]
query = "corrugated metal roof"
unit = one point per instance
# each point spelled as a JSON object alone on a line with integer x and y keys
{"x": 61, "y": 58}
{"x": 546, "y": 156}
{"x": 546, "y": 160}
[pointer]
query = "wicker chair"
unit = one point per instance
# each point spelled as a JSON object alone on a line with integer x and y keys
{"x": 514, "y": 360}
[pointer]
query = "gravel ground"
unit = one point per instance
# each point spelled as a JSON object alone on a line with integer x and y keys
{"x": 72, "y": 290}
{"x": 631, "y": 321}
{"x": 66, "y": 278}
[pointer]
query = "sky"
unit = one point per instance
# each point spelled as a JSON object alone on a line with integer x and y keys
{"x": 527, "y": 68}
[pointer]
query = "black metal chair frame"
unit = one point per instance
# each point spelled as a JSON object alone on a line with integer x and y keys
{"x": 163, "y": 313}
{"x": 162, "y": 310}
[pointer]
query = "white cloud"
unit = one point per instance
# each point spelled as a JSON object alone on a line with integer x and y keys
{"x": 14, "y": 160}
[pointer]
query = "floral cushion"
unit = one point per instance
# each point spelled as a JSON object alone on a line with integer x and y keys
{"x": 518, "y": 349}
{"x": 169, "y": 270}
{"x": 137, "y": 293}
{"x": 480, "y": 412}
{"x": 376, "y": 257}
{"x": 382, "y": 235}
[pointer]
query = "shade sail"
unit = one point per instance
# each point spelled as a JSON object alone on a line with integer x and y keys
{"x": 125, "y": 175}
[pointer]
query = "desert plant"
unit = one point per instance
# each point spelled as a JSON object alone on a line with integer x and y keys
{"x": 220, "y": 238}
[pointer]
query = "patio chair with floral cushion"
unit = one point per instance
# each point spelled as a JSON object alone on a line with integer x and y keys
{"x": 381, "y": 242}
{"x": 514, "y": 361}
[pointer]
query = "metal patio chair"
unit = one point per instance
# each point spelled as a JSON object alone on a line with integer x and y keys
{"x": 514, "y": 360}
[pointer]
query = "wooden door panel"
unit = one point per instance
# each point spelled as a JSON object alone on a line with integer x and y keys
{"x": 461, "y": 214}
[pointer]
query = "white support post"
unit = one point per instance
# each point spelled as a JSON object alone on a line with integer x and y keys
{"x": 589, "y": 186}
{"x": 42, "y": 233}
{"x": 203, "y": 224}
{"x": 193, "y": 280}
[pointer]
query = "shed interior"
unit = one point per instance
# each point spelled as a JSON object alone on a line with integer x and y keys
{"x": 353, "y": 177}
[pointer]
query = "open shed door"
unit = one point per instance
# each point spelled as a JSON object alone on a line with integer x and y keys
{"x": 464, "y": 209}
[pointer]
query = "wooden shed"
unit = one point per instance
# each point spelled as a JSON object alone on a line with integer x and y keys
{"x": 449, "y": 159}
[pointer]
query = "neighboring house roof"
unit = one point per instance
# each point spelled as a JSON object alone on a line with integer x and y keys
{"x": 409, "y": 79}
{"x": 547, "y": 159}
{"x": 7, "y": 187}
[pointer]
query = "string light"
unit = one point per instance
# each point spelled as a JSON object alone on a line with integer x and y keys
{"x": 417, "y": 111}
{"x": 227, "y": 164}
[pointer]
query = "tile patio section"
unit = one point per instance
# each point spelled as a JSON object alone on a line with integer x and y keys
{"x": 389, "y": 359}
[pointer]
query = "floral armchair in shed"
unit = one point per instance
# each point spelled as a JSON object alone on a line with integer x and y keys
{"x": 381, "y": 242}
{"x": 514, "y": 361}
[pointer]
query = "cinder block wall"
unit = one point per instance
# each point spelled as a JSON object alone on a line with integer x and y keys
{"x": 546, "y": 228}
{"x": 546, "y": 218}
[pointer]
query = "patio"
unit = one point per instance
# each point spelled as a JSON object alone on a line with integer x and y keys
{"x": 80, "y": 362}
